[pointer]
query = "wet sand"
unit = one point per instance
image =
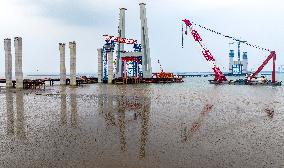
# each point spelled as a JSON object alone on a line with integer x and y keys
{"x": 175, "y": 125}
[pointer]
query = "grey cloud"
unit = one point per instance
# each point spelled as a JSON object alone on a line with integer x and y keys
{"x": 73, "y": 12}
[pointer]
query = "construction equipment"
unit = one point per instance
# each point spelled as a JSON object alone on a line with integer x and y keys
{"x": 271, "y": 56}
{"x": 219, "y": 76}
{"x": 162, "y": 74}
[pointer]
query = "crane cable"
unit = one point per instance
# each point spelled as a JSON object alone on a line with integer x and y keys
{"x": 161, "y": 68}
{"x": 226, "y": 36}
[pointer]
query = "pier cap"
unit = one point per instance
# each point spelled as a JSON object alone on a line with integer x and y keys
{"x": 72, "y": 44}
{"x": 18, "y": 38}
{"x": 142, "y": 3}
{"x": 122, "y": 8}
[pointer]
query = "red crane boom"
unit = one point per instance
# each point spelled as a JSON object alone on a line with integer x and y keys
{"x": 219, "y": 75}
{"x": 271, "y": 56}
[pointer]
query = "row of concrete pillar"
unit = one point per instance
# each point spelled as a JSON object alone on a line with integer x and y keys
{"x": 18, "y": 62}
{"x": 72, "y": 47}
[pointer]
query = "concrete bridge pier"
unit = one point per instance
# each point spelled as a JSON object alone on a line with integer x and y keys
{"x": 62, "y": 64}
{"x": 18, "y": 62}
{"x": 72, "y": 46}
{"x": 8, "y": 63}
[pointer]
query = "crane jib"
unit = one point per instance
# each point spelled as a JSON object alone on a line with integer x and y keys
{"x": 219, "y": 75}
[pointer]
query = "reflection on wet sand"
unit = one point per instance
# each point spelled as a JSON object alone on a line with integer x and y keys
{"x": 121, "y": 123}
{"x": 187, "y": 131}
{"x": 15, "y": 123}
{"x": 10, "y": 112}
{"x": 73, "y": 107}
{"x": 111, "y": 106}
{"x": 63, "y": 112}
{"x": 74, "y": 112}
{"x": 187, "y": 134}
{"x": 138, "y": 126}
{"x": 20, "y": 121}
{"x": 145, "y": 124}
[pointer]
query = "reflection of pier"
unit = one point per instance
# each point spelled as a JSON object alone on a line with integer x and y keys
{"x": 144, "y": 129}
{"x": 15, "y": 123}
{"x": 74, "y": 114}
{"x": 10, "y": 112}
{"x": 114, "y": 109}
{"x": 73, "y": 105}
{"x": 63, "y": 112}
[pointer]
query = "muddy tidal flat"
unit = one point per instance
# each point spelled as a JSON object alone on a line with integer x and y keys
{"x": 192, "y": 124}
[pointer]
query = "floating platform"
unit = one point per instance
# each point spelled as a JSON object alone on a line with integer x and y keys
{"x": 246, "y": 82}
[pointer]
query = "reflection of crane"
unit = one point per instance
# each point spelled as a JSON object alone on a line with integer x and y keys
{"x": 187, "y": 134}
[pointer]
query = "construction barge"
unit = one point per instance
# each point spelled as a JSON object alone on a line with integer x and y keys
{"x": 246, "y": 82}
{"x": 134, "y": 80}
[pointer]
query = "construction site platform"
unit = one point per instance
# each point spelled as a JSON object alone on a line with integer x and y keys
{"x": 246, "y": 82}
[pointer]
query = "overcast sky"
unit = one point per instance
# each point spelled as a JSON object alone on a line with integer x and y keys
{"x": 45, "y": 23}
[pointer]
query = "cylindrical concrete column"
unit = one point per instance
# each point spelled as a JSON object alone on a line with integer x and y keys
{"x": 120, "y": 46}
{"x": 146, "y": 61}
{"x": 8, "y": 63}
{"x": 72, "y": 46}
{"x": 110, "y": 67}
{"x": 100, "y": 65}
{"x": 62, "y": 64}
{"x": 18, "y": 62}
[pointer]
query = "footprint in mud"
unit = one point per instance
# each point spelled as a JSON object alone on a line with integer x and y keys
{"x": 270, "y": 112}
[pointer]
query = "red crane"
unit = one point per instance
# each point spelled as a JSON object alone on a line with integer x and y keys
{"x": 271, "y": 56}
{"x": 219, "y": 75}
